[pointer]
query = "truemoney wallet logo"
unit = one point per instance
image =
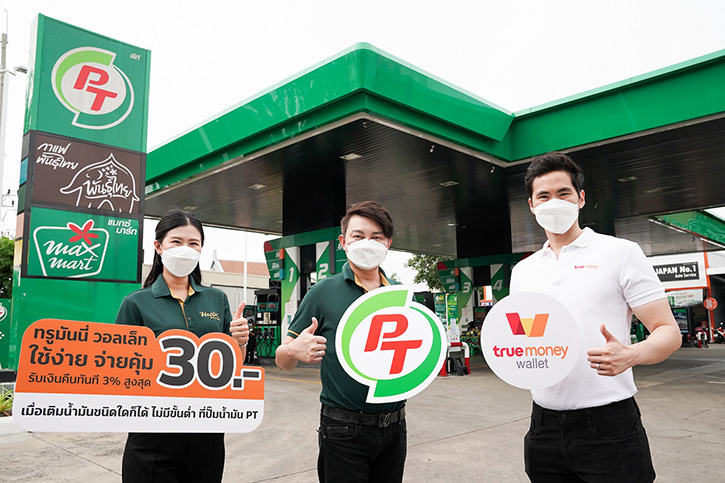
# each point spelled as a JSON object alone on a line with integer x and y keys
{"x": 529, "y": 327}
{"x": 87, "y": 83}
{"x": 390, "y": 343}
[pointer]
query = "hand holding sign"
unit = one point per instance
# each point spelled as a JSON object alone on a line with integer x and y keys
{"x": 309, "y": 347}
{"x": 613, "y": 358}
{"x": 239, "y": 327}
{"x": 90, "y": 376}
{"x": 390, "y": 343}
{"x": 530, "y": 340}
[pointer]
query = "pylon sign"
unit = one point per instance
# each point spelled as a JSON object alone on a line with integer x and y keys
{"x": 80, "y": 197}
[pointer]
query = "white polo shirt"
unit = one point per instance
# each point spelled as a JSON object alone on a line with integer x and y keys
{"x": 599, "y": 278}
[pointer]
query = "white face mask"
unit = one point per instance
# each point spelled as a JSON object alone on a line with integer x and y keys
{"x": 180, "y": 261}
{"x": 366, "y": 254}
{"x": 556, "y": 216}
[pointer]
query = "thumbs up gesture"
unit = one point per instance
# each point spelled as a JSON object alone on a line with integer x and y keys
{"x": 309, "y": 347}
{"x": 239, "y": 327}
{"x": 613, "y": 358}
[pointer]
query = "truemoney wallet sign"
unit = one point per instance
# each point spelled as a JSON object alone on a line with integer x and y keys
{"x": 530, "y": 340}
{"x": 391, "y": 344}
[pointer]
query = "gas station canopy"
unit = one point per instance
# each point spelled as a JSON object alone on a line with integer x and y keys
{"x": 448, "y": 164}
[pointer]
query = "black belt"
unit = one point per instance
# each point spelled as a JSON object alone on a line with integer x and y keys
{"x": 363, "y": 419}
{"x": 609, "y": 410}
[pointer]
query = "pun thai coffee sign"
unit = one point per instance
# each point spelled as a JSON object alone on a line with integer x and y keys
{"x": 88, "y": 176}
{"x": 65, "y": 244}
{"x": 88, "y": 86}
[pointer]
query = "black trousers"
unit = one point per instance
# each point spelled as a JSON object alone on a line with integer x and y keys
{"x": 601, "y": 444}
{"x": 173, "y": 458}
{"x": 361, "y": 454}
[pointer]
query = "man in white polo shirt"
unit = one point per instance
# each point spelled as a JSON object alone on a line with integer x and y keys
{"x": 587, "y": 427}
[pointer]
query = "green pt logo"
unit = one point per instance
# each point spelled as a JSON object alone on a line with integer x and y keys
{"x": 87, "y": 83}
{"x": 391, "y": 344}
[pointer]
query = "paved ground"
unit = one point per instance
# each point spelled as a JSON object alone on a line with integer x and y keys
{"x": 460, "y": 429}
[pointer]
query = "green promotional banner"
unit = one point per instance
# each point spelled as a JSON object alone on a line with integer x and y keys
{"x": 439, "y": 300}
{"x": 275, "y": 261}
{"x": 87, "y": 86}
{"x": 450, "y": 279}
{"x": 65, "y": 244}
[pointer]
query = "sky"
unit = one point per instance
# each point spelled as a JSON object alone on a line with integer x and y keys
{"x": 209, "y": 56}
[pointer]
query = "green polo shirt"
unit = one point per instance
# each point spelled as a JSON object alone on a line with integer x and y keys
{"x": 328, "y": 300}
{"x": 205, "y": 310}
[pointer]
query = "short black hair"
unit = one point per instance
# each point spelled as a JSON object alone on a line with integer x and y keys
{"x": 553, "y": 161}
{"x": 373, "y": 210}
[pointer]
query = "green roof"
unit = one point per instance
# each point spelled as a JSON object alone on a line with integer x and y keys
{"x": 364, "y": 79}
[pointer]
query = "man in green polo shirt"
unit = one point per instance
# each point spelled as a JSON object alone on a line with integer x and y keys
{"x": 359, "y": 441}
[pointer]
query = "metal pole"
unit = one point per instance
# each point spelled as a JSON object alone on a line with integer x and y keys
{"x": 246, "y": 239}
{"x": 3, "y": 106}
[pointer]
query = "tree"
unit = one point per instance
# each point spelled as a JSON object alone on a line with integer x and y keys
{"x": 7, "y": 248}
{"x": 426, "y": 270}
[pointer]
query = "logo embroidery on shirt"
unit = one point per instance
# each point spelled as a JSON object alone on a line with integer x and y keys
{"x": 580, "y": 267}
{"x": 211, "y": 315}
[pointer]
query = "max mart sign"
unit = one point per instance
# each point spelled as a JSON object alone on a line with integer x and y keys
{"x": 71, "y": 245}
{"x": 391, "y": 344}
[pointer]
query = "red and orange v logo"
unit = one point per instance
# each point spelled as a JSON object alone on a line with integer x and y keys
{"x": 529, "y": 327}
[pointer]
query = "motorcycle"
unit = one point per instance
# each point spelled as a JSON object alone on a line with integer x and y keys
{"x": 719, "y": 334}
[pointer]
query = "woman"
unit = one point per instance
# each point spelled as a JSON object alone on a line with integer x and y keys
{"x": 172, "y": 297}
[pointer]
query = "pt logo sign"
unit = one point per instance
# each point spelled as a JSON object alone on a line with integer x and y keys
{"x": 391, "y": 344}
{"x": 87, "y": 83}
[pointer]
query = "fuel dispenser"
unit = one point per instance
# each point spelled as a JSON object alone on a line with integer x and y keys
{"x": 267, "y": 321}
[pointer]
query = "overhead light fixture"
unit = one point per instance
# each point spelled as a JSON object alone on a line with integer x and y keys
{"x": 257, "y": 186}
{"x": 351, "y": 156}
{"x": 447, "y": 184}
{"x": 190, "y": 208}
{"x": 452, "y": 224}
{"x": 627, "y": 179}
{"x": 437, "y": 245}
{"x": 655, "y": 190}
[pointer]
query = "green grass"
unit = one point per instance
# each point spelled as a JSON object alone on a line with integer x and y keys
{"x": 6, "y": 403}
